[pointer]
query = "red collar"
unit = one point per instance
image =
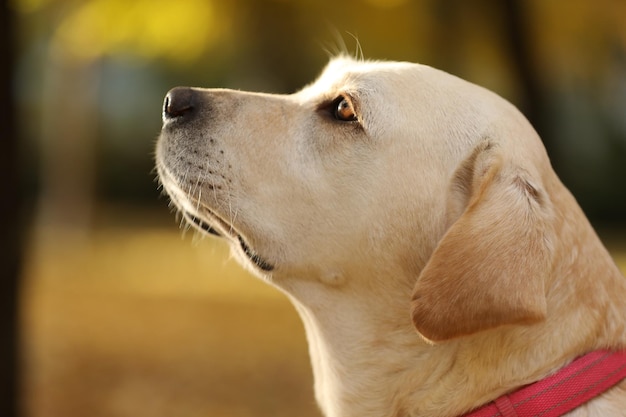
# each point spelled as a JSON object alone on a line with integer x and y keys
{"x": 585, "y": 378}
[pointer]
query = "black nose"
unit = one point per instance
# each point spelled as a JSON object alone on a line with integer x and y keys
{"x": 179, "y": 101}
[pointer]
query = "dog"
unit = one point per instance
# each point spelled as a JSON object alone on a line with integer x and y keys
{"x": 415, "y": 222}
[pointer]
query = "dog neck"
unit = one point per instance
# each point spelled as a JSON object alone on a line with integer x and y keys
{"x": 368, "y": 360}
{"x": 355, "y": 354}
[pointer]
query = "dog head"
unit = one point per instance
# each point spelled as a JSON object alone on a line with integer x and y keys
{"x": 377, "y": 175}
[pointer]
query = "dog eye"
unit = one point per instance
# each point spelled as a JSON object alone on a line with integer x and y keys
{"x": 343, "y": 110}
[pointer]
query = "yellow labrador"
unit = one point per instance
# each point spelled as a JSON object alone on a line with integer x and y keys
{"x": 414, "y": 220}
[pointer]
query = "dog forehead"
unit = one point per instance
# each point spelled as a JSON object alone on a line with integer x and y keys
{"x": 344, "y": 74}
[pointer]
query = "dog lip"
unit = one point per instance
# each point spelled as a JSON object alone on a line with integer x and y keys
{"x": 253, "y": 256}
{"x": 205, "y": 220}
{"x": 202, "y": 218}
{"x": 203, "y": 226}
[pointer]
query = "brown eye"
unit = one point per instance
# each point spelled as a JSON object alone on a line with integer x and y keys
{"x": 343, "y": 110}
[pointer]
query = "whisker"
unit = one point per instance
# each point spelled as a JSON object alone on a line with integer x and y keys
{"x": 337, "y": 46}
{"x": 358, "y": 53}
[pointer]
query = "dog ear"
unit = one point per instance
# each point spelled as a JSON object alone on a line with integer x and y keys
{"x": 490, "y": 267}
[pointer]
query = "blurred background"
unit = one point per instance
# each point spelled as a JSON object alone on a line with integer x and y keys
{"x": 119, "y": 312}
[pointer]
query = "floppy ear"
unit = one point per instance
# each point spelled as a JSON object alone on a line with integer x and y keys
{"x": 490, "y": 266}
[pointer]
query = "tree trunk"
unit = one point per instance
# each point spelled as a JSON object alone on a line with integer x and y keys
{"x": 517, "y": 27}
{"x": 10, "y": 244}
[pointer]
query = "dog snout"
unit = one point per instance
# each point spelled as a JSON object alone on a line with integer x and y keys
{"x": 179, "y": 102}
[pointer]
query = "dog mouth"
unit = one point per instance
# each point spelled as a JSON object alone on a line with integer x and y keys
{"x": 201, "y": 224}
{"x": 205, "y": 220}
{"x": 220, "y": 231}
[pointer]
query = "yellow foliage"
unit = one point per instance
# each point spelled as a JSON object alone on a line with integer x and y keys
{"x": 180, "y": 30}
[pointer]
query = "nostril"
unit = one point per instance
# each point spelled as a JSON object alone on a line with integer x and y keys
{"x": 178, "y": 102}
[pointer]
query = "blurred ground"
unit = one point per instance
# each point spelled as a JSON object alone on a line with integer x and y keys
{"x": 135, "y": 319}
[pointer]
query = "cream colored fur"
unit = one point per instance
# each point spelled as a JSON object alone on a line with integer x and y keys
{"x": 435, "y": 258}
